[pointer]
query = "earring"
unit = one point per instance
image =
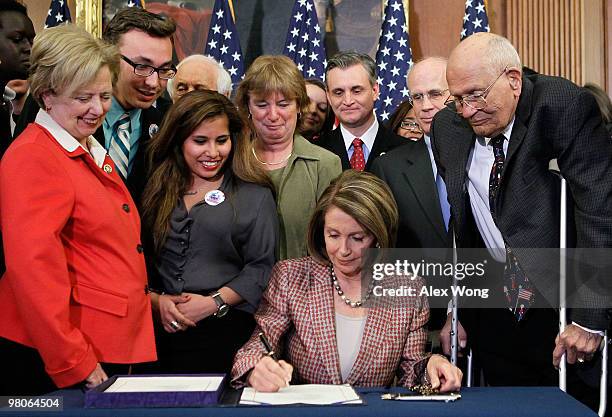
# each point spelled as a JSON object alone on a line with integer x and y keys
{"x": 377, "y": 245}
{"x": 250, "y": 116}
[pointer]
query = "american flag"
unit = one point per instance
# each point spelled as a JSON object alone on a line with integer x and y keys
{"x": 393, "y": 60}
{"x": 475, "y": 18}
{"x": 303, "y": 44}
{"x": 222, "y": 43}
{"x": 525, "y": 294}
{"x": 58, "y": 13}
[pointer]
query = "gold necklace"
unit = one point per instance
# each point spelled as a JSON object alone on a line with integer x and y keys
{"x": 271, "y": 163}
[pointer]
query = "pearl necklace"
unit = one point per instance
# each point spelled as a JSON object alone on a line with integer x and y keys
{"x": 348, "y": 301}
{"x": 271, "y": 163}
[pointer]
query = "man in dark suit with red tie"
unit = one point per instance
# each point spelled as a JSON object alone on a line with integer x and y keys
{"x": 351, "y": 92}
{"x": 492, "y": 146}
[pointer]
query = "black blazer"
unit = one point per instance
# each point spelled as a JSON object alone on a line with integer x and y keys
{"x": 407, "y": 170}
{"x": 554, "y": 119}
{"x": 384, "y": 142}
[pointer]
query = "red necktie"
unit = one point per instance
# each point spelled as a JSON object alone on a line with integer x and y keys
{"x": 357, "y": 160}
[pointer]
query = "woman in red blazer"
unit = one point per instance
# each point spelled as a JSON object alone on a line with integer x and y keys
{"x": 316, "y": 308}
{"x": 72, "y": 299}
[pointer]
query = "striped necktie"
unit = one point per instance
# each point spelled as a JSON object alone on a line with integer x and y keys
{"x": 119, "y": 149}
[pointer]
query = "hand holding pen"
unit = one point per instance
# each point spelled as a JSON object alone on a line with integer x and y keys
{"x": 270, "y": 374}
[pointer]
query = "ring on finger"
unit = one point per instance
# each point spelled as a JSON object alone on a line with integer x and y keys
{"x": 581, "y": 360}
{"x": 175, "y": 325}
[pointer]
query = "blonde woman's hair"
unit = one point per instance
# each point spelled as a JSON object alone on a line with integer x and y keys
{"x": 66, "y": 58}
{"x": 365, "y": 198}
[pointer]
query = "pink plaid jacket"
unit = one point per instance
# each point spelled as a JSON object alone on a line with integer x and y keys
{"x": 297, "y": 315}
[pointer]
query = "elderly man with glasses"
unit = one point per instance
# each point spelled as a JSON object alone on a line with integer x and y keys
{"x": 493, "y": 145}
{"x": 411, "y": 172}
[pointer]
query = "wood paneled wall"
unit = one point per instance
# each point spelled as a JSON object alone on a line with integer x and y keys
{"x": 560, "y": 37}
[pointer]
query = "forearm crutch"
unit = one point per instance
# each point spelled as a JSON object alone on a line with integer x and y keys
{"x": 603, "y": 381}
{"x": 454, "y": 321}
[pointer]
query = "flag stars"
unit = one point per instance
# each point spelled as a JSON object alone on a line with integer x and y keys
{"x": 314, "y": 56}
{"x": 395, "y": 71}
{"x": 480, "y": 8}
{"x": 236, "y": 56}
{"x": 399, "y": 56}
{"x": 223, "y": 49}
{"x": 216, "y": 28}
{"x": 389, "y": 36}
{"x": 396, "y": 7}
{"x": 59, "y": 17}
{"x": 219, "y": 14}
{"x": 295, "y": 32}
{"x": 298, "y": 16}
{"x": 227, "y": 34}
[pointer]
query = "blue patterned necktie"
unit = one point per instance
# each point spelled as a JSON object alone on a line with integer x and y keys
{"x": 517, "y": 288}
{"x": 443, "y": 200}
{"x": 119, "y": 149}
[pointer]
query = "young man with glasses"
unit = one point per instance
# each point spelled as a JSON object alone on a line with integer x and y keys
{"x": 411, "y": 173}
{"x": 144, "y": 40}
{"x": 493, "y": 146}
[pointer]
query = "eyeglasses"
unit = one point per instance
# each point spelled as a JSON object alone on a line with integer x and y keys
{"x": 474, "y": 101}
{"x": 410, "y": 125}
{"x": 144, "y": 70}
{"x": 432, "y": 95}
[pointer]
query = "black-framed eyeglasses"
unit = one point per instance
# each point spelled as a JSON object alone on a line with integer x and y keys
{"x": 410, "y": 125}
{"x": 474, "y": 101}
{"x": 144, "y": 70}
{"x": 432, "y": 95}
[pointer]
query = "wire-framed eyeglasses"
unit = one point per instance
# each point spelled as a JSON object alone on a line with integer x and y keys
{"x": 474, "y": 101}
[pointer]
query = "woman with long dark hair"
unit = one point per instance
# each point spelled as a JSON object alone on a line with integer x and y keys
{"x": 210, "y": 215}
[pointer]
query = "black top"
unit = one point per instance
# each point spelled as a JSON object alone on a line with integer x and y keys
{"x": 231, "y": 244}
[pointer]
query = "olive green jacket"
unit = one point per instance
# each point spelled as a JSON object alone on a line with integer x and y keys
{"x": 309, "y": 171}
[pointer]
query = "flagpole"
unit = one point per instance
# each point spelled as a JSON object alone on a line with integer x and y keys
{"x": 230, "y": 3}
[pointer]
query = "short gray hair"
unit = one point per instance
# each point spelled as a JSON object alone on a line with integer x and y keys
{"x": 224, "y": 80}
{"x": 348, "y": 59}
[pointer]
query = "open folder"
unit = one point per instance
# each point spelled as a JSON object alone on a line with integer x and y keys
{"x": 313, "y": 394}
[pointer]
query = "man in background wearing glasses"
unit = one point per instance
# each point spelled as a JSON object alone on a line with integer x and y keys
{"x": 493, "y": 145}
{"x": 411, "y": 173}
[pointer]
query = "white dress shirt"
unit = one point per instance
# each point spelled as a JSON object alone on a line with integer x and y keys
{"x": 367, "y": 138}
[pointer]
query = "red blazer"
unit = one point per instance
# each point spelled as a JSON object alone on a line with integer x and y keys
{"x": 75, "y": 278}
{"x": 298, "y": 307}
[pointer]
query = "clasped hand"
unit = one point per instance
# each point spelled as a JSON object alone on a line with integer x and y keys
{"x": 184, "y": 310}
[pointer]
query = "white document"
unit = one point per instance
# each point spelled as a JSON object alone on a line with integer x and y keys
{"x": 165, "y": 384}
{"x": 302, "y": 394}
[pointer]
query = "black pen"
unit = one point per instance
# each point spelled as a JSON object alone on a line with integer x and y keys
{"x": 267, "y": 346}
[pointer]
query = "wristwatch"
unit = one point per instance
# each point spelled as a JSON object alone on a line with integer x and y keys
{"x": 222, "y": 306}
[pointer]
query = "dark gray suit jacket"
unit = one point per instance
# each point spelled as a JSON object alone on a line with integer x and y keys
{"x": 384, "y": 142}
{"x": 554, "y": 119}
{"x": 407, "y": 170}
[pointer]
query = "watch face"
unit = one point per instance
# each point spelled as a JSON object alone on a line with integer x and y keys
{"x": 222, "y": 311}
